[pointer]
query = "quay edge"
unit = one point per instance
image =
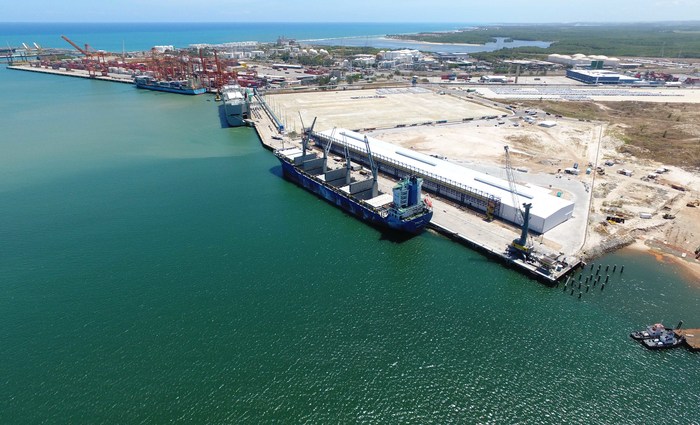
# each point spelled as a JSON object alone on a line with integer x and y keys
{"x": 501, "y": 256}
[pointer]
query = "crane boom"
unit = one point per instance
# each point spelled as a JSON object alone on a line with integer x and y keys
{"x": 219, "y": 72}
{"x": 78, "y": 48}
{"x": 513, "y": 189}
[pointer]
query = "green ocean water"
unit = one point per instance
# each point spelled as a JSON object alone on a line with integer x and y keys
{"x": 156, "y": 268}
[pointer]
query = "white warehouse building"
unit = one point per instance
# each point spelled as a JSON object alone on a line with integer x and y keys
{"x": 460, "y": 184}
{"x": 404, "y": 56}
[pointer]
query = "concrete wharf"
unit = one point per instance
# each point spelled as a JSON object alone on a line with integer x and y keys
{"x": 456, "y": 222}
{"x": 76, "y": 73}
{"x": 692, "y": 337}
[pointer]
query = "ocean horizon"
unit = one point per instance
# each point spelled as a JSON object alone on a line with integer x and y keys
{"x": 140, "y": 36}
{"x": 143, "y": 36}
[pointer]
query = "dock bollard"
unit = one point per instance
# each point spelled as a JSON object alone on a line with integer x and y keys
{"x": 606, "y": 278}
{"x": 614, "y": 267}
{"x": 572, "y": 291}
{"x": 592, "y": 264}
{"x": 580, "y": 277}
{"x": 579, "y": 295}
{"x": 602, "y": 287}
{"x": 622, "y": 268}
{"x": 607, "y": 268}
{"x": 587, "y": 288}
{"x": 579, "y": 284}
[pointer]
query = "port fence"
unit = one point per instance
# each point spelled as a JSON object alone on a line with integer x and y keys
{"x": 270, "y": 113}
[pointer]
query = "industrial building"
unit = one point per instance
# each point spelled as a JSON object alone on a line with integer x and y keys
{"x": 459, "y": 184}
{"x": 599, "y": 76}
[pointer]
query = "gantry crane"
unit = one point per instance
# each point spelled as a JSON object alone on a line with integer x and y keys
{"x": 84, "y": 51}
{"x": 90, "y": 63}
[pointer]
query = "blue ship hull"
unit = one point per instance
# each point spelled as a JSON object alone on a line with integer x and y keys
{"x": 200, "y": 90}
{"x": 351, "y": 205}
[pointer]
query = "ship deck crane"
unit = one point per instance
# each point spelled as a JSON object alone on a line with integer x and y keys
{"x": 373, "y": 168}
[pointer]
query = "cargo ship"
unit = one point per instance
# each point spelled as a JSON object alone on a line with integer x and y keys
{"x": 178, "y": 86}
{"x": 348, "y": 187}
{"x": 236, "y": 104}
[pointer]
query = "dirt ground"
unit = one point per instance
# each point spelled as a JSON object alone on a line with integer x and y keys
{"x": 664, "y": 132}
{"x": 644, "y": 137}
{"x": 551, "y": 150}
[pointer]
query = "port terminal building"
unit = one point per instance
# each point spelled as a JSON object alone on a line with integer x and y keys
{"x": 464, "y": 186}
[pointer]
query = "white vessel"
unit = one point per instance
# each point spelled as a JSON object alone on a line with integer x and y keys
{"x": 236, "y": 101}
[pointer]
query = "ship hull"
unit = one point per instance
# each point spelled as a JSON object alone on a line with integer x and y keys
{"x": 351, "y": 205}
{"x": 172, "y": 90}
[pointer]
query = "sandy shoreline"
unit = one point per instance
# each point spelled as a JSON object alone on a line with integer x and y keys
{"x": 688, "y": 265}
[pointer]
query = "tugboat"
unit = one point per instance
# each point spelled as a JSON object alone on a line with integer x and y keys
{"x": 651, "y": 332}
{"x": 667, "y": 339}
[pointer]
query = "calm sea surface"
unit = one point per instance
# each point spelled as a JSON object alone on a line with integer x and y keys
{"x": 111, "y": 36}
{"x": 114, "y": 37}
{"x": 156, "y": 268}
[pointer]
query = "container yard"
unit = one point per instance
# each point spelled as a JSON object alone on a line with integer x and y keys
{"x": 163, "y": 68}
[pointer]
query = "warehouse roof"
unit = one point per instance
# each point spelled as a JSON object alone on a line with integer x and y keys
{"x": 543, "y": 203}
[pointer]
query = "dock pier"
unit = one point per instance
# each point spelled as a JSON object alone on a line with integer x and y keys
{"x": 457, "y": 223}
{"x": 75, "y": 73}
{"x": 692, "y": 337}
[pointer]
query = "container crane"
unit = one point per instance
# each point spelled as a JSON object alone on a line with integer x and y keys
{"x": 84, "y": 51}
{"x": 90, "y": 65}
{"x": 219, "y": 73}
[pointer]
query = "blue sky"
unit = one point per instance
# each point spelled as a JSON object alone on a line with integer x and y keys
{"x": 481, "y": 11}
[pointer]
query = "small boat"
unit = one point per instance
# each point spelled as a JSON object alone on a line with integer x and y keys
{"x": 651, "y": 332}
{"x": 667, "y": 339}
